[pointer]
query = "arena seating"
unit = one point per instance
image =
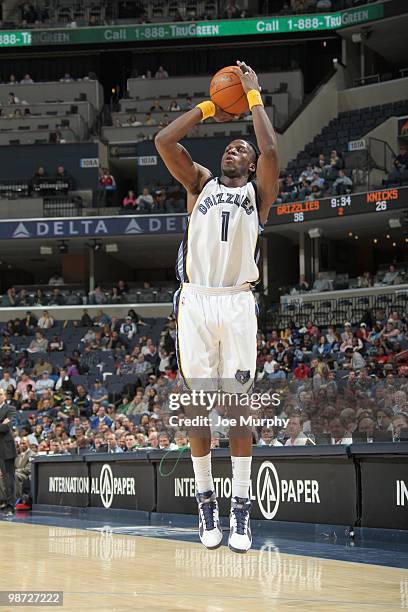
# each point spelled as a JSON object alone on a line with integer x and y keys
{"x": 287, "y": 86}
{"x": 276, "y": 104}
{"x": 55, "y": 92}
{"x": 59, "y": 13}
{"x": 49, "y": 112}
{"x": 76, "y": 294}
{"x": 233, "y": 129}
{"x": 347, "y": 126}
{"x": 328, "y": 309}
{"x": 73, "y": 127}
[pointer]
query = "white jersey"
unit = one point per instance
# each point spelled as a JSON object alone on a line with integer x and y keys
{"x": 220, "y": 246}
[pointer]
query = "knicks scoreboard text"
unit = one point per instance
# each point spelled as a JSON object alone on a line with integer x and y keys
{"x": 339, "y": 206}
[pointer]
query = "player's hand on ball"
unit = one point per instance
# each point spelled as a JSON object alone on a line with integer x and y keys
{"x": 248, "y": 77}
{"x": 221, "y": 116}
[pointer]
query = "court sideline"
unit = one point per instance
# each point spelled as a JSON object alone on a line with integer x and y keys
{"x": 113, "y": 567}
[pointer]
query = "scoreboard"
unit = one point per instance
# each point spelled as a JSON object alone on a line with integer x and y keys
{"x": 378, "y": 201}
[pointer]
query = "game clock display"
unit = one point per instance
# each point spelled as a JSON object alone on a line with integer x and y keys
{"x": 339, "y": 206}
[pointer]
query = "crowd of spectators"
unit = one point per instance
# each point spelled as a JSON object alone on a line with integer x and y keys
{"x": 27, "y": 79}
{"x": 42, "y": 180}
{"x": 343, "y": 383}
{"x": 59, "y": 294}
{"x": 170, "y": 199}
{"x": 157, "y": 114}
{"x": 96, "y": 14}
{"x": 290, "y": 7}
{"x": 324, "y": 177}
{"x": 322, "y": 283}
{"x": 334, "y": 385}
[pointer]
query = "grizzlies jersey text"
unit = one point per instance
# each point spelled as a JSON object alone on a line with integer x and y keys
{"x": 221, "y": 241}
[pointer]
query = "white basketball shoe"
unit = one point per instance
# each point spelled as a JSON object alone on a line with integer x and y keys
{"x": 209, "y": 527}
{"x": 240, "y": 537}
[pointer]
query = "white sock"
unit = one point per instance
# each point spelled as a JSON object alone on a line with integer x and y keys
{"x": 241, "y": 476}
{"x": 202, "y": 473}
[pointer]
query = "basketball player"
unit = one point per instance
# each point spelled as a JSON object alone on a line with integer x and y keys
{"x": 215, "y": 308}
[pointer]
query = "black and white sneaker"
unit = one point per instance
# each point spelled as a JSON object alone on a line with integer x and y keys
{"x": 8, "y": 511}
{"x": 209, "y": 527}
{"x": 240, "y": 537}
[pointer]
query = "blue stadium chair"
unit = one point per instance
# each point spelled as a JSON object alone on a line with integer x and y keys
{"x": 37, "y": 356}
{"x": 80, "y": 380}
{"x": 56, "y": 358}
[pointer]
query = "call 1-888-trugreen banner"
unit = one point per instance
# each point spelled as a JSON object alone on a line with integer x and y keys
{"x": 207, "y": 29}
{"x": 15, "y": 39}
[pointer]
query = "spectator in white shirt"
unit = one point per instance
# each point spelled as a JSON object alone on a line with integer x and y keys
{"x": 38, "y": 345}
{"x": 26, "y": 80}
{"x": 267, "y": 438}
{"x": 317, "y": 180}
{"x": 174, "y": 106}
{"x": 269, "y": 364}
{"x": 45, "y": 321}
{"x": 43, "y": 383}
{"x": 128, "y": 328}
{"x": 338, "y": 432}
{"x": 164, "y": 442}
{"x": 113, "y": 446}
{"x": 342, "y": 184}
{"x": 391, "y": 277}
{"x": 97, "y": 296}
{"x": 144, "y": 201}
{"x": 306, "y": 174}
{"x": 321, "y": 283}
{"x": 147, "y": 347}
{"x": 295, "y": 431}
{"x": 67, "y": 78}
{"x": 164, "y": 360}
{"x": 56, "y": 280}
{"x": 6, "y": 381}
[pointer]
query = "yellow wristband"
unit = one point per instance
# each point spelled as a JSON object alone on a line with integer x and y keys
{"x": 254, "y": 98}
{"x": 207, "y": 108}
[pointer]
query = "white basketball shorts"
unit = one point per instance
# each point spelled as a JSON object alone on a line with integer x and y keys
{"x": 216, "y": 337}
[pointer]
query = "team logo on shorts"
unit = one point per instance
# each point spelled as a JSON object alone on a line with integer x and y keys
{"x": 242, "y": 376}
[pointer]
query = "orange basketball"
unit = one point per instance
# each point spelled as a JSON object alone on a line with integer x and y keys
{"x": 226, "y": 91}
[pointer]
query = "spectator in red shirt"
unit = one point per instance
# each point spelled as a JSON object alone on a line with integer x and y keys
{"x": 106, "y": 180}
{"x": 301, "y": 371}
{"x": 362, "y": 333}
{"x": 107, "y": 187}
{"x": 312, "y": 329}
{"x": 382, "y": 356}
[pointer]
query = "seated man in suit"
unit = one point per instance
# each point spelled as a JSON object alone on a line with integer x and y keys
{"x": 22, "y": 466}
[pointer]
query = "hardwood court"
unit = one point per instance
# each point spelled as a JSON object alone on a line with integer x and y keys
{"x": 107, "y": 572}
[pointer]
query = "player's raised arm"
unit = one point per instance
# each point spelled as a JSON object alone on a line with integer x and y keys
{"x": 177, "y": 159}
{"x": 267, "y": 170}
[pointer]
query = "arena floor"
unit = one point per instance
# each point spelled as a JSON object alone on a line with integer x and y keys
{"x": 116, "y": 565}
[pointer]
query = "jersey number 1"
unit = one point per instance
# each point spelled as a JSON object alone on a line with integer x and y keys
{"x": 224, "y": 226}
